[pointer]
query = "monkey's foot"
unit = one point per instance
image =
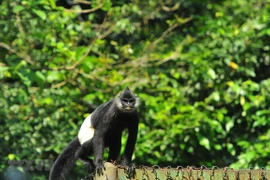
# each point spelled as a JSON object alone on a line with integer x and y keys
{"x": 99, "y": 169}
{"x": 130, "y": 171}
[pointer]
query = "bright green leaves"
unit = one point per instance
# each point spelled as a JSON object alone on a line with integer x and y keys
{"x": 205, "y": 142}
{"x": 4, "y": 72}
{"x": 31, "y": 78}
{"x": 40, "y": 14}
{"x": 202, "y": 76}
{"x": 17, "y": 8}
{"x": 54, "y": 76}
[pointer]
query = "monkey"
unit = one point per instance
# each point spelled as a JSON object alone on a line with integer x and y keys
{"x": 102, "y": 129}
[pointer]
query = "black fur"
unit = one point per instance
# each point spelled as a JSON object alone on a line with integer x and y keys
{"x": 109, "y": 120}
{"x": 65, "y": 161}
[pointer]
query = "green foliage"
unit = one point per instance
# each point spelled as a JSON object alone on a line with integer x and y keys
{"x": 201, "y": 70}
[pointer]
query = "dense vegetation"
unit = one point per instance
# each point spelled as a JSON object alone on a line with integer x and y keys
{"x": 201, "y": 69}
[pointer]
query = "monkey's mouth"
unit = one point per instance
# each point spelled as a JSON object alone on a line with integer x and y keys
{"x": 128, "y": 108}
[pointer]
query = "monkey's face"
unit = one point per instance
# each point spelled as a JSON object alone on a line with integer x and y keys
{"x": 127, "y": 101}
{"x": 128, "y": 104}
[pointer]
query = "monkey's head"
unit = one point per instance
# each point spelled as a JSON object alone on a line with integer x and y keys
{"x": 127, "y": 101}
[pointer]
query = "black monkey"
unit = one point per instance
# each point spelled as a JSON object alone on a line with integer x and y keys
{"x": 103, "y": 128}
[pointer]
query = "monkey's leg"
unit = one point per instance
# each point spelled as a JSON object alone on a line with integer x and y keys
{"x": 98, "y": 150}
{"x": 89, "y": 163}
{"x": 83, "y": 152}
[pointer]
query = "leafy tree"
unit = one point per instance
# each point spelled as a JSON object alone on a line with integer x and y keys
{"x": 200, "y": 68}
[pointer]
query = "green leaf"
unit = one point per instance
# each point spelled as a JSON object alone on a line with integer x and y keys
{"x": 229, "y": 125}
{"x": 107, "y": 4}
{"x": 40, "y": 78}
{"x": 89, "y": 98}
{"x": 11, "y": 156}
{"x": 205, "y": 142}
{"x": 211, "y": 73}
{"x": 17, "y": 8}
{"x": 268, "y": 31}
{"x": 231, "y": 149}
{"x": 220, "y": 116}
{"x": 242, "y": 100}
{"x": 53, "y": 4}
{"x": 40, "y": 75}
{"x": 54, "y": 76}
{"x": 40, "y": 13}
{"x": 3, "y": 68}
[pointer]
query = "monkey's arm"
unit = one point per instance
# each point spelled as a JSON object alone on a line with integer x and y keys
{"x": 98, "y": 148}
{"x": 132, "y": 137}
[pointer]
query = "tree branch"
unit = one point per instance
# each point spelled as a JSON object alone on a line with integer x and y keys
{"x": 26, "y": 57}
{"x": 85, "y": 10}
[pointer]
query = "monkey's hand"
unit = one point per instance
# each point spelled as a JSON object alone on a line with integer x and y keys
{"x": 99, "y": 168}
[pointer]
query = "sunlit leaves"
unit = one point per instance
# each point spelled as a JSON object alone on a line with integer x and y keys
{"x": 17, "y": 8}
{"x": 40, "y": 13}
{"x": 205, "y": 142}
{"x": 202, "y": 76}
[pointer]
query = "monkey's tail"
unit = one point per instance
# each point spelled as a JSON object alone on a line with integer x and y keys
{"x": 65, "y": 161}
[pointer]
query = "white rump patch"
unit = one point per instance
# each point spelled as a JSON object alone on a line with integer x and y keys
{"x": 86, "y": 131}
